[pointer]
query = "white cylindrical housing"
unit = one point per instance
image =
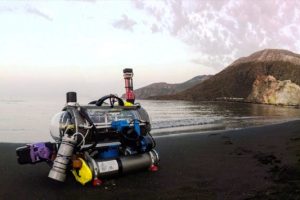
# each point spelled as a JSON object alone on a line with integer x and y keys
{"x": 60, "y": 164}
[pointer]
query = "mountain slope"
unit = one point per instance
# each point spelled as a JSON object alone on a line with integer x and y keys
{"x": 237, "y": 79}
{"x": 162, "y": 88}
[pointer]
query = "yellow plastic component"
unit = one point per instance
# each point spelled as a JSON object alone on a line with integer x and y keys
{"x": 84, "y": 173}
{"x": 126, "y": 103}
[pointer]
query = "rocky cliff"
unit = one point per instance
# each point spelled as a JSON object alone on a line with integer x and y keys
{"x": 268, "y": 90}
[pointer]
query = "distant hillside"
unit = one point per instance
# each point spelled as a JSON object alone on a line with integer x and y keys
{"x": 237, "y": 79}
{"x": 162, "y": 88}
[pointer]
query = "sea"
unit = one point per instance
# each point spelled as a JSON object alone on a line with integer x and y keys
{"x": 26, "y": 121}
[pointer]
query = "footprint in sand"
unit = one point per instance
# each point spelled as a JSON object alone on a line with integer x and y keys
{"x": 295, "y": 139}
{"x": 266, "y": 158}
{"x": 227, "y": 140}
{"x": 213, "y": 134}
{"x": 241, "y": 151}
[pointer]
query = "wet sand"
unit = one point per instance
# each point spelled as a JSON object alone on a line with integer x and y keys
{"x": 252, "y": 163}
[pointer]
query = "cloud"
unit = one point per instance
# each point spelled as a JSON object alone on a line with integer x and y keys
{"x": 155, "y": 29}
{"x": 24, "y": 8}
{"x": 35, "y": 11}
{"x": 6, "y": 9}
{"x": 219, "y": 31}
{"x": 85, "y": 1}
{"x": 125, "y": 23}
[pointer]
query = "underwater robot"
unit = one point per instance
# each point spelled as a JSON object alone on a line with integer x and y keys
{"x": 105, "y": 138}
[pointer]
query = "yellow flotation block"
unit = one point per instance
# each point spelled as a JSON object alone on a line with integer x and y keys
{"x": 84, "y": 174}
{"x": 126, "y": 103}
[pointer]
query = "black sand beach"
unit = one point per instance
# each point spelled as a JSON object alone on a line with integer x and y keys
{"x": 253, "y": 163}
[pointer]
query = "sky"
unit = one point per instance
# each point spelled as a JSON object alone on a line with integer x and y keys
{"x": 50, "y": 47}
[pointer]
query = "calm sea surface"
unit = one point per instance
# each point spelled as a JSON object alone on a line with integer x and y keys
{"x": 28, "y": 121}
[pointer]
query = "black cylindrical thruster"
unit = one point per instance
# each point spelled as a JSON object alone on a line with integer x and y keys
{"x": 126, "y": 164}
{"x": 71, "y": 97}
{"x": 135, "y": 163}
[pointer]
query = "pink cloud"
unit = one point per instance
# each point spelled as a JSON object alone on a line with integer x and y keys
{"x": 125, "y": 23}
{"x": 222, "y": 30}
{"x": 35, "y": 11}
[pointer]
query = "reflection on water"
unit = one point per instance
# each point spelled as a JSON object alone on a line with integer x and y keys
{"x": 28, "y": 121}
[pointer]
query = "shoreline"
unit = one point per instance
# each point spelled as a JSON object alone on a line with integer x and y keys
{"x": 201, "y": 131}
{"x": 250, "y": 163}
{"x": 227, "y": 100}
{"x": 191, "y": 130}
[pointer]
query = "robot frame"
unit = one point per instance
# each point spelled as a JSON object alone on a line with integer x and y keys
{"x": 97, "y": 140}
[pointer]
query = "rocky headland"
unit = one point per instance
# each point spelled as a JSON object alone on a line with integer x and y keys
{"x": 268, "y": 90}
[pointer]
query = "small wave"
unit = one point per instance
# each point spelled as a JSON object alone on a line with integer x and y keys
{"x": 246, "y": 117}
{"x": 184, "y": 122}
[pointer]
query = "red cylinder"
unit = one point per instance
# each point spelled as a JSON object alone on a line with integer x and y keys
{"x": 129, "y": 94}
